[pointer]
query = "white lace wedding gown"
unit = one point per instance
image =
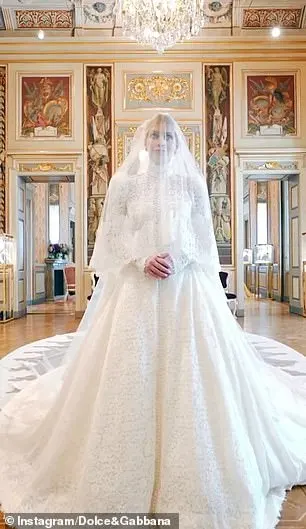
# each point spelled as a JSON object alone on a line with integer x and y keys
{"x": 166, "y": 408}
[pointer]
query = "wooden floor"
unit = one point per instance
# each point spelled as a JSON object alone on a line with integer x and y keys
{"x": 53, "y": 320}
{"x": 273, "y": 320}
{"x": 61, "y": 306}
{"x": 262, "y": 317}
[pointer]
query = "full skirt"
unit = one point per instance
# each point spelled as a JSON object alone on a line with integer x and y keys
{"x": 166, "y": 408}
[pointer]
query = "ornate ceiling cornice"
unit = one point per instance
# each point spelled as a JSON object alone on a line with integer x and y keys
{"x": 82, "y": 48}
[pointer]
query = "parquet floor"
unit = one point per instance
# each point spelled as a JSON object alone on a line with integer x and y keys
{"x": 61, "y": 306}
{"x": 262, "y": 317}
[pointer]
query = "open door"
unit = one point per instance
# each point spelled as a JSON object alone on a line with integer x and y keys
{"x": 29, "y": 244}
{"x": 294, "y": 258}
{"x": 21, "y": 247}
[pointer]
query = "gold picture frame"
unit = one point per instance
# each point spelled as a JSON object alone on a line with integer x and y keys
{"x": 271, "y": 104}
{"x": 44, "y": 106}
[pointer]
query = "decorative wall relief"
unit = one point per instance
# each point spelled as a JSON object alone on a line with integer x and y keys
{"x": 218, "y": 155}
{"x": 124, "y": 137}
{"x": 125, "y": 133}
{"x": 221, "y": 213}
{"x": 271, "y": 104}
{"x": 45, "y": 107}
{"x": 98, "y": 13}
{"x": 2, "y": 145}
{"x": 99, "y": 143}
{"x": 219, "y": 12}
{"x": 44, "y": 19}
{"x": 94, "y": 212}
{"x": 269, "y": 18}
{"x": 47, "y": 167}
{"x": 270, "y": 166}
{"x": 146, "y": 90}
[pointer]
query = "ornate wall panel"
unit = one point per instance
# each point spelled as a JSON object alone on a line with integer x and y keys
{"x": 218, "y": 13}
{"x": 98, "y": 13}
{"x": 150, "y": 90}
{"x": 48, "y": 19}
{"x": 2, "y": 145}
{"x": 98, "y": 143}
{"x": 269, "y": 18}
{"x": 125, "y": 133}
{"x": 143, "y": 88}
{"x": 218, "y": 152}
{"x": 47, "y": 167}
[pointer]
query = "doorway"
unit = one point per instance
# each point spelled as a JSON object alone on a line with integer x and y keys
{"x": 48, "y": 262}
{"x": 28, "y": 176}
{"x": 271, "y": 260}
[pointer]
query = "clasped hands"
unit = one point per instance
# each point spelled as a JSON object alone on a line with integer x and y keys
{"x": 159, "y": 266}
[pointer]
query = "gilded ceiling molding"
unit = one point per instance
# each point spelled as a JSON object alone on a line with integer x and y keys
{"x": 49, "y": 19}
{"x": 268, "y": 18}
{"x": 220, "y": 49}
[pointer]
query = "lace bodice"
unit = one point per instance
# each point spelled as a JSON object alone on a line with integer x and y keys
{"x": 147, "y": 216}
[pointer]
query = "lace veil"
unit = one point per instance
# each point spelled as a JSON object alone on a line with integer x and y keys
{"x": 157, "y": 202}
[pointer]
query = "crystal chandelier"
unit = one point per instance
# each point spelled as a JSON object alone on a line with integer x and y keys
{"x": 160, "y": 23}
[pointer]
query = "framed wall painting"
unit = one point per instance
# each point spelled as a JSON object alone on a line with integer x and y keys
{"x": 44, "y": 109}
{"x": 271, "y": 104}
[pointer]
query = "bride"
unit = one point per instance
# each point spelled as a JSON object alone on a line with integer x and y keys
{"x": 162, "y": 405}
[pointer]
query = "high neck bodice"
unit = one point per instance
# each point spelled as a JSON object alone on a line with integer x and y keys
{"x": 157, "y": 170}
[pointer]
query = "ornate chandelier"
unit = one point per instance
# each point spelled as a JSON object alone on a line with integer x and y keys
{"x": 160, "y": 23}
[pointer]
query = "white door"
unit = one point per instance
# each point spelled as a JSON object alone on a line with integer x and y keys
{"x": 294, "y": 257}
{"x": 29, "y": 243}
{"x": 21, "y": 246}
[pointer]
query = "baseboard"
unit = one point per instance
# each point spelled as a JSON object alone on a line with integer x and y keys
{"x": 296, "y": 310}
{"x": 37, "y": 301}
{"x": 20, "y": 314}
{"x": 277, "y": 298}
